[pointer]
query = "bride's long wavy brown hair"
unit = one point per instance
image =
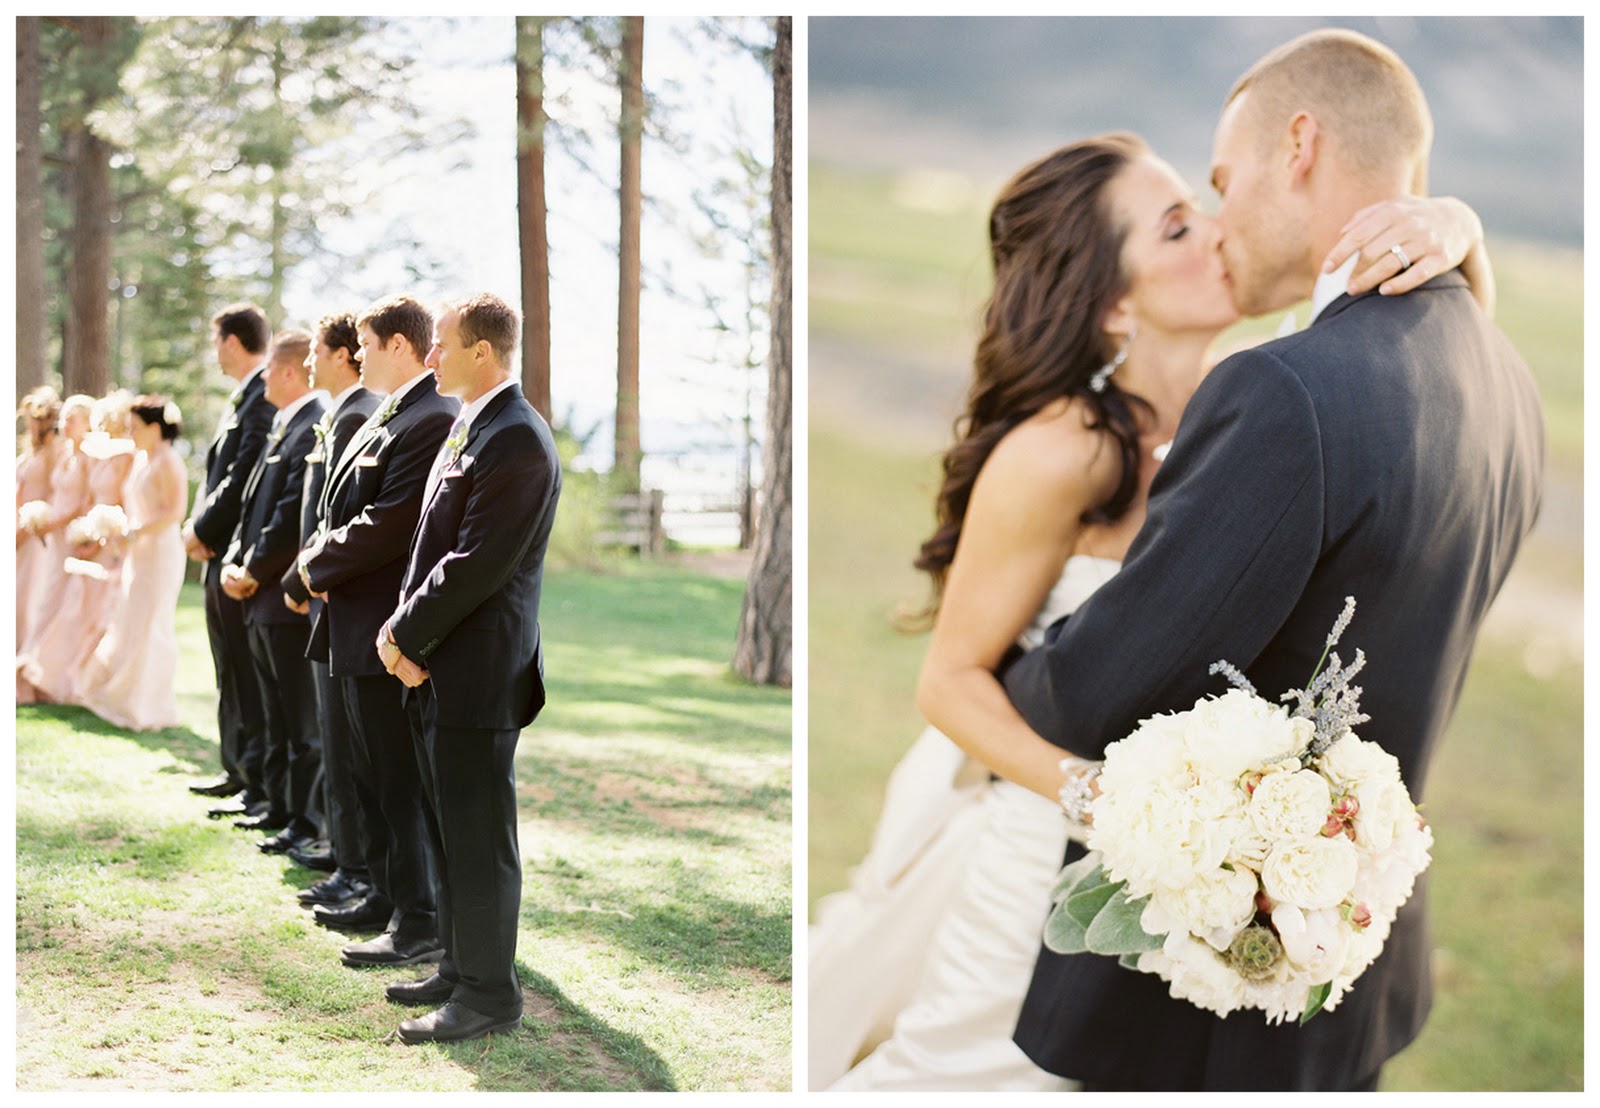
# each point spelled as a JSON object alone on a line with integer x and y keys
{"x": 1057, "y": 254}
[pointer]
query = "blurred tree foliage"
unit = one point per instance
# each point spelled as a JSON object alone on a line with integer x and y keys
{"x": 229, "y": 142}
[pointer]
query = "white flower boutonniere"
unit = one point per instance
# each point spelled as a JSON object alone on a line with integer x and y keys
{"x": 456, "y": 443}
{"x": 386, "y": 412}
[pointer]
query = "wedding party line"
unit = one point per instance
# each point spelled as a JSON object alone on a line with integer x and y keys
{"x": 372, "y": 527}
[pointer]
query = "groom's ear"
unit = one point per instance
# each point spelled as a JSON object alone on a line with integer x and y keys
{"x": 1303, "y": 145}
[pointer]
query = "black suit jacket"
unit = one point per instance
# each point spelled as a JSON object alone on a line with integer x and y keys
{"x": 341, "y": 426}
{"x": 268, "y": 537}
{"x": 1393, "y": 452}
{"x": 229, "y": 459}
{"x": 469, "y": 608}
{"x": 374, "y": 496}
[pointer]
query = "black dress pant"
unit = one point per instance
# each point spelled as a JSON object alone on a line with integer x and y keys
{"x": 388, "y": 789}
{"x": 472, "y": 801}
{"x": 291, "y": 765}
{"x": 240, "y": 723}
{"x": 342, "y": 824}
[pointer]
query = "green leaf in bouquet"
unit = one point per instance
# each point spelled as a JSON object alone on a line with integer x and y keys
{"x": 1063, "y": 934}
{"x": 1130, "y": 961}
{"x": 1068, "y": 879}
{"x": 1315, "y": 1000}
{"x": 1091, "y": 895}
{"x": 1116, "y": 929}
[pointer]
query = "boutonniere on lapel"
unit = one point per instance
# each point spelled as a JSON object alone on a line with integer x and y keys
{"x": 236, "y": 397}
{"x": 322, "y": 428}
{"x": 386, "y": 412}
{"x": 455, "y": 444}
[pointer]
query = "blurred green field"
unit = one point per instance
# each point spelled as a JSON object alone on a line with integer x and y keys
{"x": 897, "y": 277}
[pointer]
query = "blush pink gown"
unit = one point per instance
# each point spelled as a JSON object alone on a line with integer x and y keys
{"x": 128, "y": 680}
{"x": 69, "y": 498}
{"x": 33, "y": 483}
{"x": 82, "y": 606}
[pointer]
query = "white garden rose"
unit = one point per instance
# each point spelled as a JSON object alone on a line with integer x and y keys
{"x": 1351, "y": 761}
{"x": 1290, "y": 805}
{"x": 1386, "y": 810}
{"x": 1310, "y": 873}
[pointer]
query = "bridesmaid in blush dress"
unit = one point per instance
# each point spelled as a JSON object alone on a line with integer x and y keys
{"x": 129, "y": 679}
{"x": 41, "y": 408}
{"x": 69, "y": 498}
{"x": 89, "y": 590}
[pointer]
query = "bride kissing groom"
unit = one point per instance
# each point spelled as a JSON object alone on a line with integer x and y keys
{"x": 1391, "y": 451}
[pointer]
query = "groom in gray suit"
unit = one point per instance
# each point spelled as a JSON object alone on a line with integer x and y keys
{"x": 1393, "y": 452}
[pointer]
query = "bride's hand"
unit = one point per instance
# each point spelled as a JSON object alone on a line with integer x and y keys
{"x": 1434, "y": 235}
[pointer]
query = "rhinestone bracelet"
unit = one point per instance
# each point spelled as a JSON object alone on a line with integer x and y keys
{"x": 1077, "y": 791}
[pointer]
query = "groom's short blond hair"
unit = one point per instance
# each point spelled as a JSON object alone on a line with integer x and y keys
{"x": 1360, "y": 92}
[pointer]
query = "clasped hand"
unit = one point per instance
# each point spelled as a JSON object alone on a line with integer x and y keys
{"x": 409, "y": 672}
{"x": 237, "y": 582}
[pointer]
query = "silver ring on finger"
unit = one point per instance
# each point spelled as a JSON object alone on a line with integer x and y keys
{"x": 1400, "y": 255}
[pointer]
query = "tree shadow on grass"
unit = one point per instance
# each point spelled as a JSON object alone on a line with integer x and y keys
{"x": 561, "y": 1046}
{"x": 183, "y": 744}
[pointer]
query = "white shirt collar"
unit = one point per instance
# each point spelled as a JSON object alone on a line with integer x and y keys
{"x": 400, "y": 392}
{"x": 286, "y": 414}
{"x": 1331, "y": 286}
{"x": 349, "y": 390}
{"x": 471, "y": 411}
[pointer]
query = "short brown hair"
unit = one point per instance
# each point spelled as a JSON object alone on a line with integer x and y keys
{"x": 485, "y": 317}
{"x": 338, "y": 332}
{"x": 292, "y": 345}
{"x": 246, "y": 321}
{"x": 400, "y": 315}
{"x": 1360, "y": 92}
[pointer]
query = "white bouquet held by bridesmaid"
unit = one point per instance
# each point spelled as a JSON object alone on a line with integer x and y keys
{"x": 99, "y": 525}
{"x": 1251, "y": 856}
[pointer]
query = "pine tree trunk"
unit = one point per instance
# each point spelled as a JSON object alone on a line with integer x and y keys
{"x": 763, "y": 651}
{"x": 532, "y": 220}
{"x": 87, "y": 330}
{"x": 627, "y": 465}
{"x": 30, "y": 211}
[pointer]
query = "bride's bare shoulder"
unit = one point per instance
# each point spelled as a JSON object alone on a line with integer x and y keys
{"x": 1055, "y": 453}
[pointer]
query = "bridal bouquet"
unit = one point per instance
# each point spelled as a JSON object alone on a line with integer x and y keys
{"x": 33, "y": 515}
{"x": 1251, "y": 856}
{"x": 98, "y": 525}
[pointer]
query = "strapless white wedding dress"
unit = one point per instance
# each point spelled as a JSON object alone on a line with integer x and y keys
{"x": 917, "y": 971}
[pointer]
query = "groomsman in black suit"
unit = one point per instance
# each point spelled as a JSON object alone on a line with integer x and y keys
{"x": 264, "y": 546}
{"x": 335, "y": 368}
{"x": 469, "y": 613}
{"x": 239, "y": 335}
{"x": 357, "y": 562}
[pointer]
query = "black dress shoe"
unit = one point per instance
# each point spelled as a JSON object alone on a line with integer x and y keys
{"x": 385, "y": 950}
{"x": 222, "y": 786}
{"x": 430, "y": 990}
{"x": 266, "y": 821}
{"x": 336, "y": 890}
{"x": 454, "y": 1023}
{"x": 284, "y": 841}
{"x": 246, "y": 807}
{"x": 370, "y": 913}
{"x": 315, "y": 854}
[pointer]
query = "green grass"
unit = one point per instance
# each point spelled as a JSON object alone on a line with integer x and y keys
{"x": 158, "y": 950}
{"x": 896, "y": 285}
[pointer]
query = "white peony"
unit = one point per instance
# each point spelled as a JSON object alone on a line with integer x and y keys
{"x": 1385, "y": 811}
{"x": 1316, "y": 942}
{"x": 1311, "y": 873}
{"x": 1214, "y": 906}
{"x": 1196, "y": 973}
{"x": 1235, "y": 733}
{"x": 1291, "y": 805}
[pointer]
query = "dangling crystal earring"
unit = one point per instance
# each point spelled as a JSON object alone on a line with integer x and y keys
{"x": 1097, "y": 383}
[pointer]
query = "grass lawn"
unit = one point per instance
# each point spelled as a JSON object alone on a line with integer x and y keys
{"x": 159, "y": 950}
